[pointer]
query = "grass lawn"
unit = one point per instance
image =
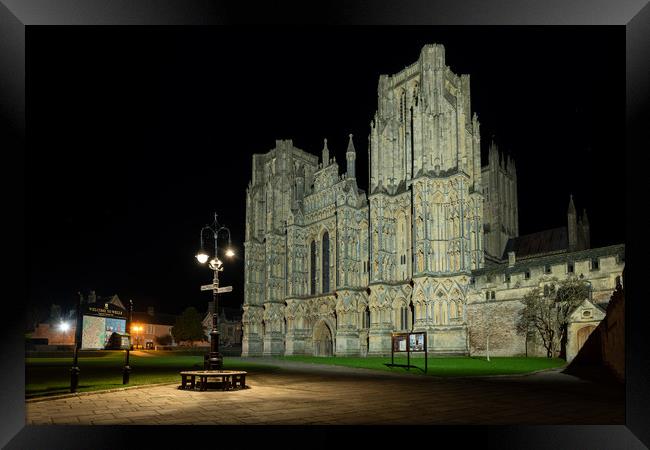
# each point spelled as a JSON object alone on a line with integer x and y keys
{"x": 442, "y": 366}
{"x": 51, "y": 375}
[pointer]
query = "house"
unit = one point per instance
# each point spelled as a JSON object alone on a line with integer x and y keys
{"x": 149, "y": 327}
{"x": 57, "y": 333}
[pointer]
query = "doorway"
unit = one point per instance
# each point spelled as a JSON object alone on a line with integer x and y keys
{"x": 583, "y": 335}
{"x": 323, "y": 340}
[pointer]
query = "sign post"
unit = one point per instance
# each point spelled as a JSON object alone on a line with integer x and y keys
{"x": 214, "y": 360}
{"x": 94, "y": 322}
{"x": 215, "y": 287}
{"x": 409, "y": 342}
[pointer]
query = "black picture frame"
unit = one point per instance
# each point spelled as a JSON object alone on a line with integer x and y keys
{"x": 16, "y": 16}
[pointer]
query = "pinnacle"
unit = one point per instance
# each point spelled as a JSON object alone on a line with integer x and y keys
{"x": 351, "y": 145}
{"x": 572, "y": 207}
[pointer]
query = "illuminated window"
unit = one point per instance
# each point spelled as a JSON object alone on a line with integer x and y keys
{"x": 326, "y": 262}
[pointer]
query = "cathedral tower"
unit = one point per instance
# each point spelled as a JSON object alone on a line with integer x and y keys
{"x": 426, "y": 204}
{"x": 500, "y": 212}
{"x": 276, "y": 189}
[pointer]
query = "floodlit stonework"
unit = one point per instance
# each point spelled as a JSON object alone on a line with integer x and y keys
{"x": 433, "y": 245}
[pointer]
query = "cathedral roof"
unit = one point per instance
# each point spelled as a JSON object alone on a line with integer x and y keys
{"x": 557, "y": 258}
{"x": 542, "y": 242}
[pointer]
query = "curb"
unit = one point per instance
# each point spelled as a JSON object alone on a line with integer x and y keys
{"x": 99, "y": 391}
{"x": 517, "y": 375}
{"x": 437, "y": 377}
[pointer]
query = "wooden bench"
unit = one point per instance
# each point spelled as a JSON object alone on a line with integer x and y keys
{"x": 230, "y": 379}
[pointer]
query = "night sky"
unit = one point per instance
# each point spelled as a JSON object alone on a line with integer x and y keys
{"x": 140, "y": 134}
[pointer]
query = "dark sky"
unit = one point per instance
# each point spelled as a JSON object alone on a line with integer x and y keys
{"x": 141, "y": 133}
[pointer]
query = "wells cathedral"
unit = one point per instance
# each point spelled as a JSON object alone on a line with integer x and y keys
{"x": 433, "y": 244}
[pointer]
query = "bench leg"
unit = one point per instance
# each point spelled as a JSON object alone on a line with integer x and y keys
{"x": 204, "y": 383}
{"x": 193, "y": 382}
{"x": 242, "y": 381}
{"x": 183, "y": 382}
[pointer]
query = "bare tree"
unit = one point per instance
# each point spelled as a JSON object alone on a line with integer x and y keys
{"x": 525, "y": 326}
{"x": 547, "y": 309}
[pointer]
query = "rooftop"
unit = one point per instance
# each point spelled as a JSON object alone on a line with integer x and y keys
{"x": 553, "y": 258}
{"x": 543, "y": 242}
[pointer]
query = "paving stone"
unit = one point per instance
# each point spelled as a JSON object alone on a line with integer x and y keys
{"x": 345, "y": 397}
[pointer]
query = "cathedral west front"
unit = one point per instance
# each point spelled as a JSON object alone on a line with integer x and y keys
{"x": 432, "y": 245}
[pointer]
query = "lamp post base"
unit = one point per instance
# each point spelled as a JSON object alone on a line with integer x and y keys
{"x": 74, "y": 378}
{"x": 125, "y": 374}
{"x": 213, "y": 361}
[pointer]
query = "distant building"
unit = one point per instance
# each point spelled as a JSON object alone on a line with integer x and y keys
{"x": 51, "y": 333}
{"x": 155, "y": 325}
{"x": 229, "y": 324}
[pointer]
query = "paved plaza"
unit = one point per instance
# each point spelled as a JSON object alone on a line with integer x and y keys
{"x": 316, "y": 394}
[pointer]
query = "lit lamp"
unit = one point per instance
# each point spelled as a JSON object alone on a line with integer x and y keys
{"x": 136, "y": 329}
{"x": 213, "y": 359}
{"x": 64, "y": 327}
{"x": 202, "y": 256}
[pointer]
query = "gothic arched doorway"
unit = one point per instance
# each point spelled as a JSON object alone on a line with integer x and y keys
{"x": 322, "y": 340}
{"x": 583, "y": 335}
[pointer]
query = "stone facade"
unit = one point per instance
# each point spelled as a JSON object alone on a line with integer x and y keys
{"x": 333, "y": 270}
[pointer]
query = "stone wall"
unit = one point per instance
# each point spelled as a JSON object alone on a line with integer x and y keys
{"x": 613, "y": 334}
{"x": 498, "y": 318}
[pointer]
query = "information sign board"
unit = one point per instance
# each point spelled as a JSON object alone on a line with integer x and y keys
{"x": 408, "y": 343}
{"x": 98, "y": 323}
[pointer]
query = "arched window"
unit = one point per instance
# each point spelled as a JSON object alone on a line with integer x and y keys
{"x": 403, "y": 316}
{"x": 313, "y": 268}
{"x": 366, "y": 317}
{"x": 402, "y": 245}
{"x": 326, "y": 262}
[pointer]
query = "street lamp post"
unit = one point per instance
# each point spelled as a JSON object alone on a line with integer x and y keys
{"x": 214, "y": 359}
{"x": 74, "y": 370}
{"x": 127, "y": 369}
{"x": 137, "y": 329}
